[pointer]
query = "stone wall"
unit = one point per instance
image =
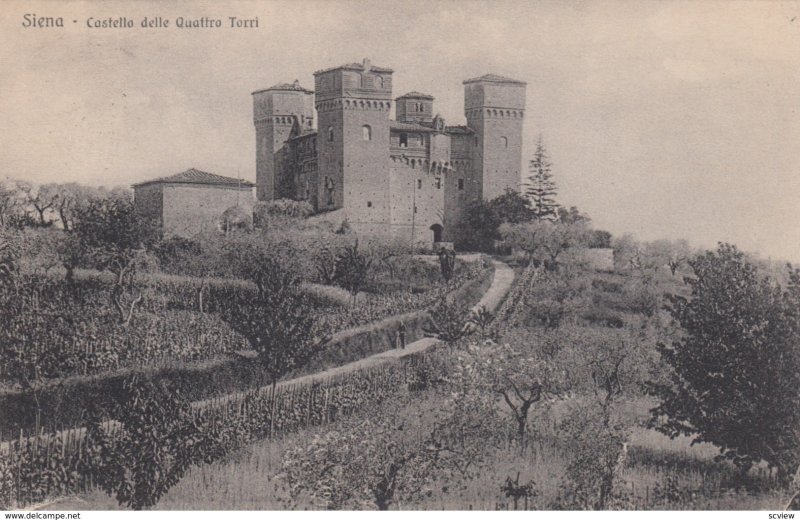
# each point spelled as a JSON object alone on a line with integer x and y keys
{"x": 193, "y": 208}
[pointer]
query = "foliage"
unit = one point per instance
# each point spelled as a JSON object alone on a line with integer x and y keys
{"x": 116, "y": 239}
{"x": 572, "y": 216}
{"x": 735, "y": 370}
{"x": 543, "y": 241}
{"x": 159, "y": 441}
{"x": 447, "y": 263}
{"x": 541, "y": 188}
{"x": 369, "y": 462}
{"x": 279, "y": 324}
{"x": 595, "y": 449}
{"x": 448, "y": 321}
{"x": 267, "y": 213}
{"x": 352, "y": 268}
{"x": 482, "y": 219}
{"x": 9, "y": 260}
{"x": 521, "y": 378}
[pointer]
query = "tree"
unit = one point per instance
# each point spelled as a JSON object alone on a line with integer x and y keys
{"x": 511, "y": 207}
{"x": 70, "y": 198}
{"x": 279, "y": 324}
{"x": 483, "y": 218}
{"x": 43, "y": 199}
{"x": 541, "y": 188}
{"x": 116, "y": 239}
{"x": 352, "y": 269}
{"x": 572, "y": 216}
{"x": 521, "y": 378}
{"x": 543, "y": 240}
{"x": 595, "y": 451}
{"x": 448, "y": 321}
{"x": 159, "y": 440}
{"x": 734, "y": 378}
{"x": 11, "y": 201}
{"x": 362, "y": 462}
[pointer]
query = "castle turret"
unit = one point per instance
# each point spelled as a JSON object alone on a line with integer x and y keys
{"x": 414, "y": 107}
{"x": 276, "y": 111}
{"x": 495, "y": 109}
{"x": 353, "y": 103}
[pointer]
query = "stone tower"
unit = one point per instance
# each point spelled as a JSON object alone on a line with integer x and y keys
{"x": 414, "y": 107}
{"x": 353, "y": 103}
{"x": 276, "y": 110}
{"x": 495, "y": 109}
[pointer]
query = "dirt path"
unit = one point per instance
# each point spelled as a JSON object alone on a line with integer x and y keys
{"x": 491, "y": 300}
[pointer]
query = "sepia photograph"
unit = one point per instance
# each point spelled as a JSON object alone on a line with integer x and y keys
{"x": 480, "y": 256}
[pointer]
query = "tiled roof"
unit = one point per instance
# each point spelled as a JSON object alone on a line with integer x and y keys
{"x": 459, "y": 130}
{"x": 416, "y": 95}
{"x": 409, "y": 127}
{"x": 193, "y": 176}
{"x": 286, "y": 86}
{"x": 494, "y": 78}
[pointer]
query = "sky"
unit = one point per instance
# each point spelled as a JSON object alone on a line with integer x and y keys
{"x": 662, "y": 119}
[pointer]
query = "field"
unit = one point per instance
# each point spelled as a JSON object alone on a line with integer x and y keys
{"x": 567, "y": 396}
{"x": 655, "y": 472}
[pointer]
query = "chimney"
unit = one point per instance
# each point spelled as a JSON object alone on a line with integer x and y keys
{"x": 367, "y": 65}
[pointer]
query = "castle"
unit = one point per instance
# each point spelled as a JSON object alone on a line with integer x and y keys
{"x": 411, "y": 177}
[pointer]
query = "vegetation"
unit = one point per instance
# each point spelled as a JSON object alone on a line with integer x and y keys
{"x": 558, "y": 400}
{"x": 734, "y": 371}
{"x": 541, "y": 188}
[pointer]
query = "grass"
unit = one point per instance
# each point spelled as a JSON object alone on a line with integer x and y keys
{"x": 659, "y": 474}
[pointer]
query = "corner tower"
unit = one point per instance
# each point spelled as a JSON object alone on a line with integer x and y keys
{"x": 275, "y": 111}
{"x": 353, "y": 103}
{"x": 495, "y": 108}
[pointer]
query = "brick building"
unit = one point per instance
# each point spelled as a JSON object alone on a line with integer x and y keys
{"x": 194, "y": 201}
{"x": 408, "y": 177}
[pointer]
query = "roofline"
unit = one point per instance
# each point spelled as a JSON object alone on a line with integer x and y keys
{"x": 242, "y": 184}
{"x": 415, "y": 96}
{"x": 303, "y": 136}
{"x": 354, "y": 66}
{"x": 421, "y": 128}
{"x": 301, "y": 89}
{"x": 493, "y": 80}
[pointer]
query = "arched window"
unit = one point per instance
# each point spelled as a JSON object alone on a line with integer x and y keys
{"x": 367, "y": 131}
{"x": 379, "y": 81}
{"x": 330, "y": 133}
{"x": 504, "y": 141}
{"x": 403, "y": 140}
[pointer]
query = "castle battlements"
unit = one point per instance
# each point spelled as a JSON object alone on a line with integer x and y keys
{"x": 413, "y": 175}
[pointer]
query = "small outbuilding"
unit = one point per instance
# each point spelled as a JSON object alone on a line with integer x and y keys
{"x": 194, "y": 201}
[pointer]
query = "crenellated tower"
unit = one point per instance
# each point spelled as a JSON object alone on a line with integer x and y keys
{"x": 353, "y": 103}
{"x": 276, "y": 111}
{"x": 495, "y": 109}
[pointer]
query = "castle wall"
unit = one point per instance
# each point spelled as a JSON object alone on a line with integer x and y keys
{"x": 410, "y": 187}
{"x": 193, "y": 208}
{"x": 375, "y": 171}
